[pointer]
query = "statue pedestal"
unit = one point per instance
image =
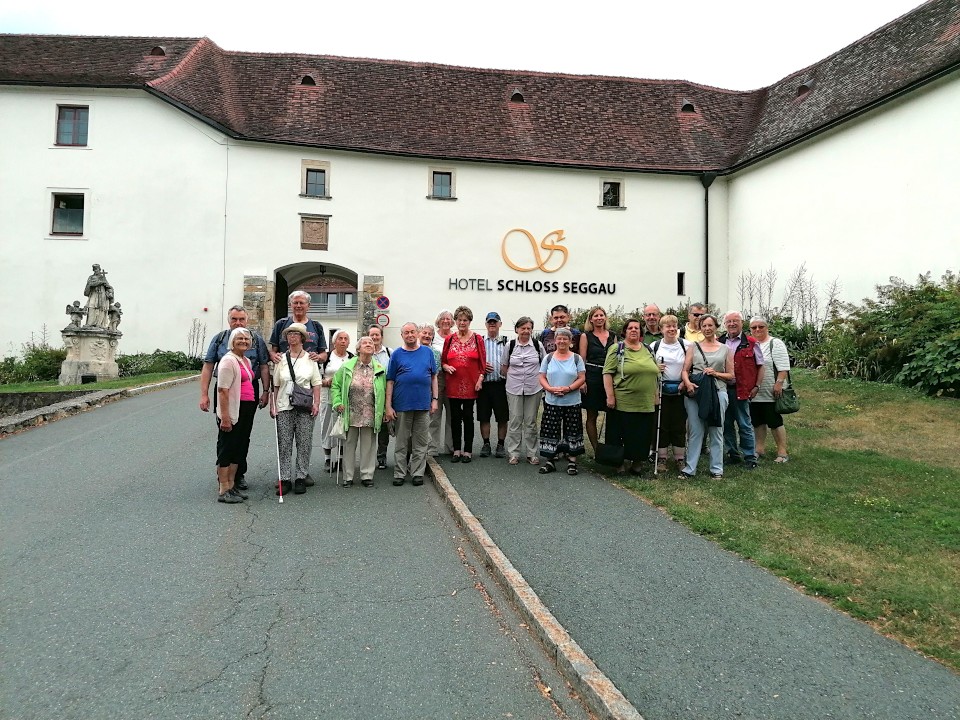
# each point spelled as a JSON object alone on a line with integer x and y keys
{"x": 90, "y": 351}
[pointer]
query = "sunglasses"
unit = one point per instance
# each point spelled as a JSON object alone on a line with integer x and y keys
{"x": 757, "y": 327}
{"x": 697, "y": 314}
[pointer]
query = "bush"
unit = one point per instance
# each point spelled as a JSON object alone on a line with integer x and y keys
{"x": 159, "y": 361}
{"x": 36, "y": 361}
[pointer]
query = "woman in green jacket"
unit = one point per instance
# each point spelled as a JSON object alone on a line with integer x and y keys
{"x": 359, "y": 393}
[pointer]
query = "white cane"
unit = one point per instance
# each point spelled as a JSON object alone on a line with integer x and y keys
{"x": 656, "y": 444}
{"x": 279, "y": 479}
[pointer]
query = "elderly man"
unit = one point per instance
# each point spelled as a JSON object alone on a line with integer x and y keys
{"x": 411, "y": 399}
{"x": 748, "y": 369}
{"x": 316, "y": 342}
{"x": 691, "y": 331}
{"x": 259, "y": 358}
{"x": 492, "y": 398}
{"x": 382, "y": 354}
{"x": 651, "y": 324}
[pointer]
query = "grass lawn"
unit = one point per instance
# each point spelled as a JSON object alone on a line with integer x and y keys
{"x": 124, "y": 382}
{"x": 866, "y": 514}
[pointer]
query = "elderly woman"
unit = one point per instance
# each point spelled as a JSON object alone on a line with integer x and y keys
{"x": 671, "y": 354}
{"x": 294, "y": 368}
{"x": 562, "y": 374}
{"x": 712, "y": 361}
{"x": 337, "y": 357}
{"x": 521, "y": 368}
{"x": 630, "y": 387}
{"x": 763, "y": 407}
{"x": 441, "y": 435}
{"x": 236, "y": 406}
{"x": 463, "y": 360}
{"x": 594, "y": 343}
{"x": 359, "y": 393}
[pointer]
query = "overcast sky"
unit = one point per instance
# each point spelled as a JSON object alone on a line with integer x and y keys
{"x": 737, "y": 44}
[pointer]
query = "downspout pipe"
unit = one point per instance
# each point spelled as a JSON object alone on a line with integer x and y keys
{"x": 706, "y": 179}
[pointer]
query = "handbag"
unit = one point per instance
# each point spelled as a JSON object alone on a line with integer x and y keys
{"x": 337, "y": 430}
{"x": 301, "y": 399}
{"x": 788, "y": 402}
{"x": 607, "y": 454}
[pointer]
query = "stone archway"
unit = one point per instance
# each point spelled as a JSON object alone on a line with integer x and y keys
{"x": 337, "y": 298}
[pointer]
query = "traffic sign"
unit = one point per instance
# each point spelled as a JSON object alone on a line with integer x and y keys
{"x": 383, "y": 302}
{"x": 383, "y": 320}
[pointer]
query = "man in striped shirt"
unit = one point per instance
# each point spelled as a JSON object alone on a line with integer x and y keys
{"x": 492, "y": 399}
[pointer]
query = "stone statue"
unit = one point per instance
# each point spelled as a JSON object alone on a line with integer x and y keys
{"x": 76, "y": 314}
{"x": 99, "y": 295}
{"x": 114, "y": 312}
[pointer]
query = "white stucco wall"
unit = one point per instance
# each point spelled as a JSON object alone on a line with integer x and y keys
{"x": 873, "y": 199}
{"x": 154, "y": 180}
{"x": 382, "y": 224}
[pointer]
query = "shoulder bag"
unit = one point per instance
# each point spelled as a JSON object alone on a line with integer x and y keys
{"x": 301, "y": 399}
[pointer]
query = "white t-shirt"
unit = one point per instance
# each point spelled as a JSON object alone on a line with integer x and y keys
{"x": 673, "y": 357}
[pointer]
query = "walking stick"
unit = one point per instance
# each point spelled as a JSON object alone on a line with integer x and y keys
{"x": 279, "y": 480}
{"x": 656, "y": 444}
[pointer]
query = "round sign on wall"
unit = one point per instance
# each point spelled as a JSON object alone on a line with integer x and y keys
{"x": 383, "y": 302}
{"x": 383, "y": 320}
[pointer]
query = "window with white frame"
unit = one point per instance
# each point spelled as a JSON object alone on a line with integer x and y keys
{"x": 67, "y": 215}
{"x": 72, "y": 125}
{"x": 442, "y": 184}
{"x": 611, "y": 194}
{"x": 315, "y": 179}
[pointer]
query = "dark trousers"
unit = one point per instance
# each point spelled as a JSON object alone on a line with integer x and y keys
{"x": 632, "y": 431}
{"x": 461, "y": 424}
{"x": 232, "y": 446}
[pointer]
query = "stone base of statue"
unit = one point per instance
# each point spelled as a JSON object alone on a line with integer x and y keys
{"x": 91, "y": 352}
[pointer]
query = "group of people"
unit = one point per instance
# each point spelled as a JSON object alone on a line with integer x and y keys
{"x": 662, "y": 388}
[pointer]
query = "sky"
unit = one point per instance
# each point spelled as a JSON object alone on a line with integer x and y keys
{"x": 736, "y": 44}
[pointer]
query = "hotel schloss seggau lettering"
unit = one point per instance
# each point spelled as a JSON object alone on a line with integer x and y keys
{"x": 548, "y": 256}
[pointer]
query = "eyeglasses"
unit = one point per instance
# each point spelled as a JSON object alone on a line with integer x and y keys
{"x": 697, "y": 314}
{"x": 757, "y": 327}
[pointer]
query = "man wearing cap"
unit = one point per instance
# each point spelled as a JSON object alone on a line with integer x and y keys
{"x": 411, "y": 398}
{"x": 492, "y": 398}
{"x": 259, "y": 358}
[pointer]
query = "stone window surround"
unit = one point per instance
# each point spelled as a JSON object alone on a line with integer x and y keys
{"x": 315, "y": 165}
{"x": 622, "y": 204}
{"x": 431, "y": 171}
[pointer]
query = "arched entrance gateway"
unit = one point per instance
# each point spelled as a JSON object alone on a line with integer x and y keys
{"x": 338, "y": 301}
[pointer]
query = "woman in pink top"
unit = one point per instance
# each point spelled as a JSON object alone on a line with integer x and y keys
{"x": 463, "y": 361}
{"x": 236, "y": 406}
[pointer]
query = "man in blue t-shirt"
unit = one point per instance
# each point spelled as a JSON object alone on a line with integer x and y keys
{"x": 411, "y": 399}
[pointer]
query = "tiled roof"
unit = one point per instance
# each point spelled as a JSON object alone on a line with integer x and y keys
{"x": 456, "y": 113}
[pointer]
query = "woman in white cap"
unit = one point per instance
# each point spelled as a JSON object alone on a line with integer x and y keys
{"x": 294, "y": 423}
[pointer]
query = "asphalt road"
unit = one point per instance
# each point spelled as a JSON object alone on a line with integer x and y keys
{"x": 129, "y": 592}
{"x": 686, "y": 630}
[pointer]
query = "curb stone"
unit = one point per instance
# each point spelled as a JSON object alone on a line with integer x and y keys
{"x": 602, "y": 697}
{"x": 60, "y": 410}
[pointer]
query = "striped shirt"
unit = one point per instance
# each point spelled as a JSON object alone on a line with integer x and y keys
{"x": 494, "y": 347}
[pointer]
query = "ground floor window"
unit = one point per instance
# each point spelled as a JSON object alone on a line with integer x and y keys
{"x": 67, "y": 214}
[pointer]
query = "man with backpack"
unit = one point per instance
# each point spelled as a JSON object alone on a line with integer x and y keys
{"x": 492, "y": 398}
{"x": 316, "y": 341}
{"x": 259, "y": 358}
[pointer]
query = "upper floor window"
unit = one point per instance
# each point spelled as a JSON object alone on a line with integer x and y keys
{"x": 316, "y": 182}
{"x": 442, "y": 185}
{"x": 72, "y": 124}
{"x": 611, "y": 194}
{"x": 67, "y": 214}
{"x": 315, "y": 179}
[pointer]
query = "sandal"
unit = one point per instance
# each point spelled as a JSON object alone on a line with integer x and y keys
{"x": 571, "y": 468}
{"x": 782, "y": 459}
{"x": 533, "y": 460}
{"x": 716, "y": 476}
{"x": 547, "y": 467}
{"x": 514, "y": 460}
{"x": 684, "y": 476}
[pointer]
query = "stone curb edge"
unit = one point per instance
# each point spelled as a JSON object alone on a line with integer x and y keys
{"x": 599, "y": 693}
{"x": 58, "y": 411}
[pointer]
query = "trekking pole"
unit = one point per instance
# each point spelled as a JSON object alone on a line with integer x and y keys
{"x": 656, "y": 444}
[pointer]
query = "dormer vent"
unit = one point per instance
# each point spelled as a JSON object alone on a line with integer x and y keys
{"x": 688, "y": 107}
{"x": 517, "y": 97}
{"x": 158, "y": 51}
{"x": 805, "y": 89}
{"x": 308, "y": 81}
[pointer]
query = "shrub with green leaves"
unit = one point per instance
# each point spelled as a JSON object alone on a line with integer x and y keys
{"x": 159, "y": 361}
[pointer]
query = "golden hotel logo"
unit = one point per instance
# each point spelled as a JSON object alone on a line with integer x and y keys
{"x": 530, "y": 251}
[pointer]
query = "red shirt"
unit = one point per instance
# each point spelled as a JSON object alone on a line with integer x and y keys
{"x": 469, "y": 360}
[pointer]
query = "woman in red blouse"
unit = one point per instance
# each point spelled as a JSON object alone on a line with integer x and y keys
{"x": 463, "y": 360}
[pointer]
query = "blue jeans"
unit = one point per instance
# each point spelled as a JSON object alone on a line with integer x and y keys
{"x": 739, "y": 412}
